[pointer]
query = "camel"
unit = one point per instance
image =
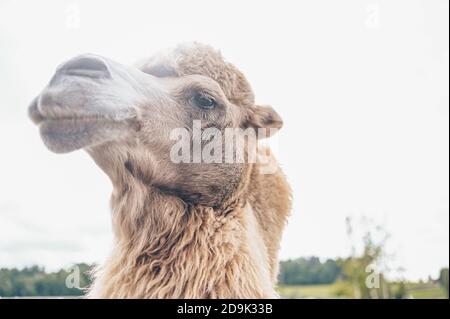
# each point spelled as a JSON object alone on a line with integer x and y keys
{"x": 181, "y": 230}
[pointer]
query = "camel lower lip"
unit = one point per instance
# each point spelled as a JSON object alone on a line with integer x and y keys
{"x": 70, "y": 120}
{"x": 66, "y": 135}
{"x": 70, "y": 128}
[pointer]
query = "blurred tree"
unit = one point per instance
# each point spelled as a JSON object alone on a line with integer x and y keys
{"x": 399, "y": 291}
{"x": 365, "y": 271}
{"x": 443, "y": 279}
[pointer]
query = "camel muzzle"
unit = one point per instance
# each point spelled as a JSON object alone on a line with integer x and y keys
{"x": 89, "y": 100}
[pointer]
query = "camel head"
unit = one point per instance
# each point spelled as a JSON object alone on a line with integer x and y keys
{"x": 123, "y": 116}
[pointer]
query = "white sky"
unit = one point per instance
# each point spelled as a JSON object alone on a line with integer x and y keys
{"x": 362, "y": 87}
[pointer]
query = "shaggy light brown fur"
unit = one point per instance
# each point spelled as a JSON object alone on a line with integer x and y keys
{"x": 166, "y": 248}
{"x": 182, "y": 230}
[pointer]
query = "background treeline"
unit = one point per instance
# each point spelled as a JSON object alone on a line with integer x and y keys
{"x": 35, "y": 281}
{"x": 309, "y": 271}
{"x": 301, "y": 277}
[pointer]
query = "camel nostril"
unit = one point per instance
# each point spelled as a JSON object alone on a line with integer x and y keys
{"x": 87, "y": 65}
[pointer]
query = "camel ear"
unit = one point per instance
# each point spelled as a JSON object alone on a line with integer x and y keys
{"x": 264, "y": 117}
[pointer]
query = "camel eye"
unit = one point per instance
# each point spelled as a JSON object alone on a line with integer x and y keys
{"x": 204, "y": 101}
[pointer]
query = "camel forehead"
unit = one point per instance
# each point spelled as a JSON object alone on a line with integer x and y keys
{"x": 196, "y": 58}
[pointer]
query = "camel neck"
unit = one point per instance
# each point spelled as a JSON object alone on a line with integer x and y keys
{"x": 165, "y": 248}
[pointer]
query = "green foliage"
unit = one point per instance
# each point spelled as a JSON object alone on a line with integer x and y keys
{"x": 398, "y": 290}
{"x": 364, "y": 271}
{"x": 443, "y": 279}
{"x": 307, "y": 291}
{"x": 344, "y": 289}
{"x": 34, "y": 281}
{"x": 425, "y": 290}
{"x": 308, "y": 271}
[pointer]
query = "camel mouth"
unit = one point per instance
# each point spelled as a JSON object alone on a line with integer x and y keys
{"x": 43, "y": 109}
{"x": 70, "y": 134}
{"x": 65, "y": 131}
